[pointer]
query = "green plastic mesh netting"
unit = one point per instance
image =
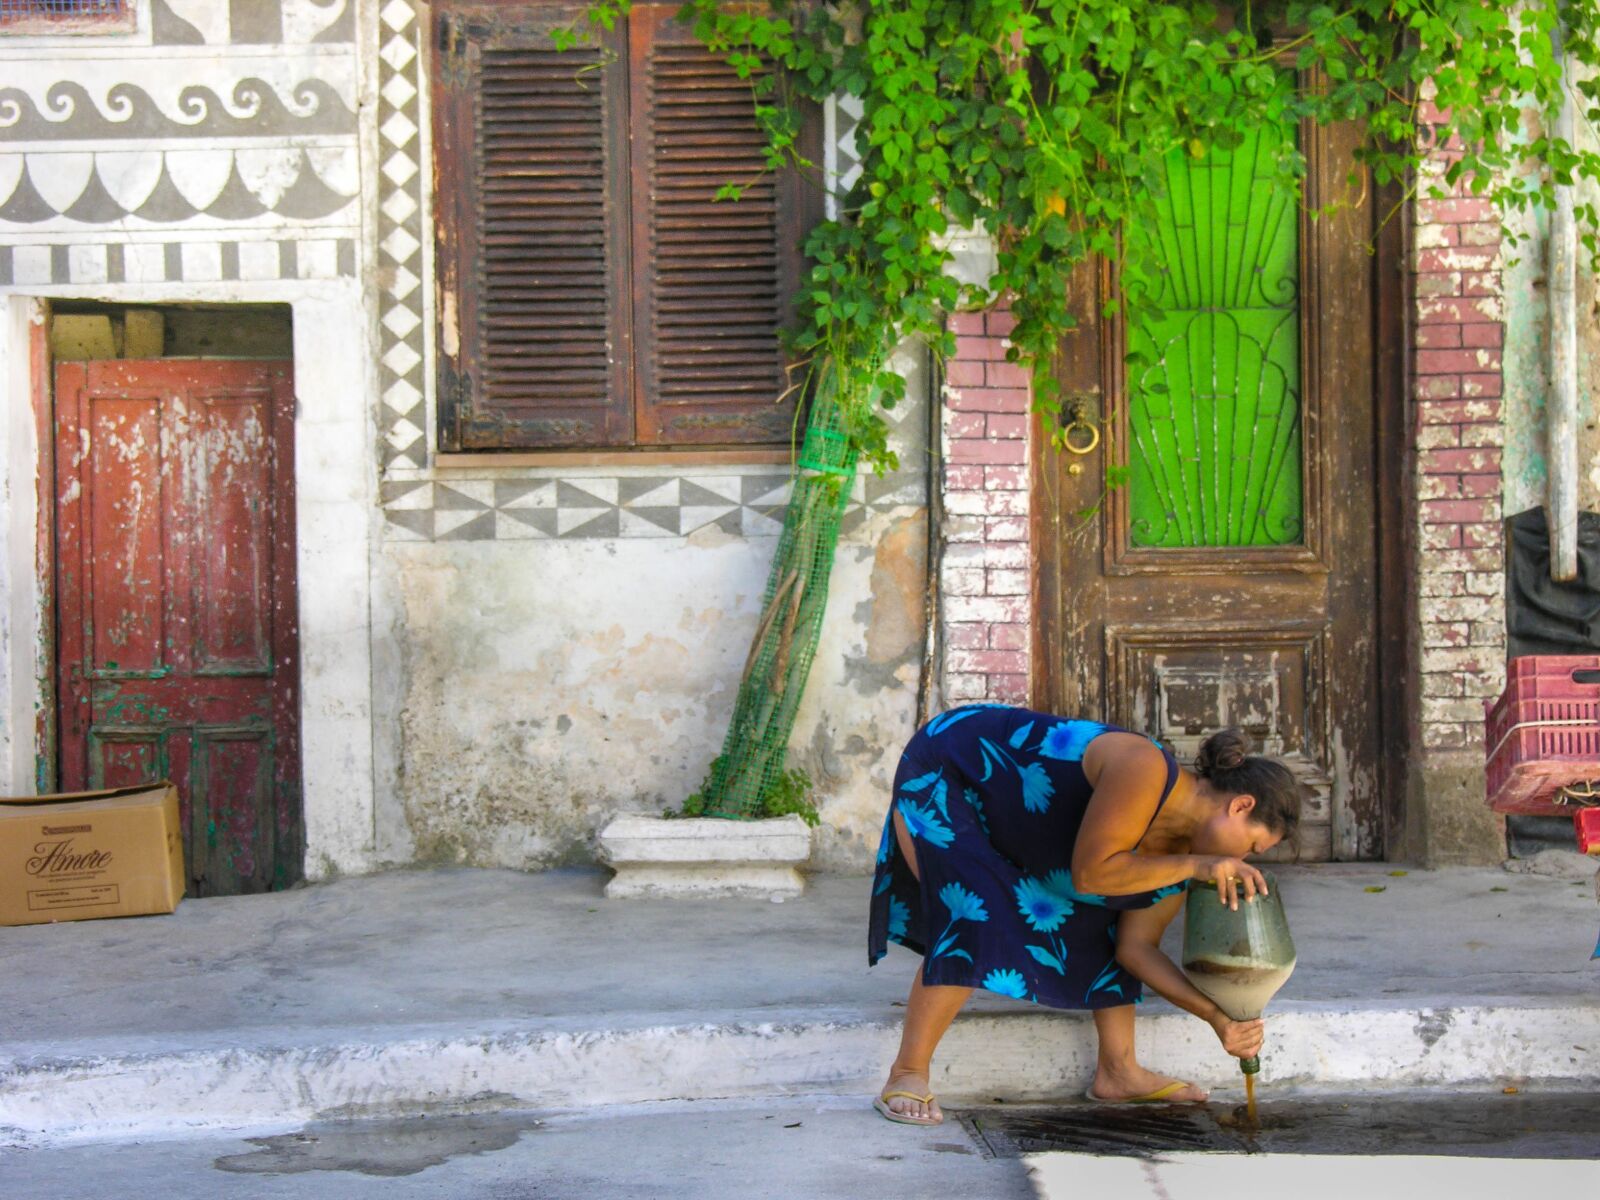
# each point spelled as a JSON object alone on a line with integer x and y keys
{"x": 786, "y": 635}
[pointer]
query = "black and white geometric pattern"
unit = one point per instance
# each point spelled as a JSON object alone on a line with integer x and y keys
{"x": 264, "y": 259}
{"x": 402, "y": 425}
{"x": 841, "y": 163}
{"x": 153, "y": 186}
{"x": 207, "y": 153}
{"x": 616, "y": 506}
{"x": 660, "y": 506}
{"x": 254, "y": 23}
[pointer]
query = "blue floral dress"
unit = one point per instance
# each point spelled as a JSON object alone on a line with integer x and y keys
{"x": 993, "y": 797}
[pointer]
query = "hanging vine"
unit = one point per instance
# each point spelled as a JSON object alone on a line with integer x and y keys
{"x": 1049, "y": 123}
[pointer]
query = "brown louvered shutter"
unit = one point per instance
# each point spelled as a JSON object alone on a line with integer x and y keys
{"x": 534, "y": 235}
{"x": 712, "y": 280}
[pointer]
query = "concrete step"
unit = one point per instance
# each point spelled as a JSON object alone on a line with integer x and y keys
{"x": 458, "y": 989}
{"x": 82, "y": 1094}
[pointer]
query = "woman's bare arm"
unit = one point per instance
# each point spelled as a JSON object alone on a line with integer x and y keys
{"x": 1139, "y": 951}
{"x": 1128, "y": 780}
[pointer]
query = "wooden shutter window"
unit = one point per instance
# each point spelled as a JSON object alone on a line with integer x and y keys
{"x": 541, "y": 242}
{"x": 593, "y": 292}
{"x": 712, "y": 279}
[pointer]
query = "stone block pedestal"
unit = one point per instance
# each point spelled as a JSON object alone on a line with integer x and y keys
{"x": 702, "y": 857}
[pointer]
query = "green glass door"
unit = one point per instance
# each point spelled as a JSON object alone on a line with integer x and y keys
{"x": 1214, "y": 402}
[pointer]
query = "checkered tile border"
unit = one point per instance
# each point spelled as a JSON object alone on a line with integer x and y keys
{"x": 841, "y": 165}
{"x": 403, "y": 422}
{"x": 188, "y": 261}
{"x": 627, "y": 506}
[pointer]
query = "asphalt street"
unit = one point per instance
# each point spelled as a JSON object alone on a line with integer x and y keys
{"x": 1466, "y": 1144}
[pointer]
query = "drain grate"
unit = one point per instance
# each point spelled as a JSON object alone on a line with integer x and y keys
{"x": 1009, "y": 1133}
{"x": 1479, "y": 1124}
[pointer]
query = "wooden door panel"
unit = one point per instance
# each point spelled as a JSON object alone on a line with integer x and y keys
{"x": 176, "y": 591}
{"x": 232, "y": 594}
{"x": 231, "y": 788}
{"x": 1181, "y": 684}
{"x": 123, "y": 554}
{"x": 123, "y": 756}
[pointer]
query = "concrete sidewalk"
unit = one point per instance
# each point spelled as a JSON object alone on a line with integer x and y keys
{"x": 488, "y": 990}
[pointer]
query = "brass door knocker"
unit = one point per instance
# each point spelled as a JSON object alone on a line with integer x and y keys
{"x": 1081, "y": 426}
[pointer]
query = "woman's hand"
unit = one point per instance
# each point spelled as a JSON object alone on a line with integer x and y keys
{"x": 1242, "y": 1039}
{"x": 1232, "y": 876}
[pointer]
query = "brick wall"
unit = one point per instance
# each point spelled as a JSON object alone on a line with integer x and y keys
{"x": 1459, "y": 438}
{"x": 986, "y": 574}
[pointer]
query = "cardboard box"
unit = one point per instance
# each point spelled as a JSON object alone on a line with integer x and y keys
{"x": 71, "y": 857}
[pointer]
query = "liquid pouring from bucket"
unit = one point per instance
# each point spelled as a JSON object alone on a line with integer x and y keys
{"x": 1238, "y": 957}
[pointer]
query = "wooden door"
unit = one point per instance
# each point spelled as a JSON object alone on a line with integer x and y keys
{"x": 1231, "y": 578}
{"x": 175, "y": 581}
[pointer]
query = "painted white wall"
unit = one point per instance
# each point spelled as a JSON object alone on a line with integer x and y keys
{"x": 336, "y": 490}
{"x": 19, "y": 594}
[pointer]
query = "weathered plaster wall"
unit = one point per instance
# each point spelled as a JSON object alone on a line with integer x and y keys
{"x": 1527, "y": 365}
{"x": 564, "y": 646}
{"x": 20, "y": 619}
{"x": 556, "y": 645}
{"x": 1527, "y": 376}
{"x": 861, "y": 705}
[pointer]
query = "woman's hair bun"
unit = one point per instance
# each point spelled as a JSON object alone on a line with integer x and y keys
{"x": 1226, "y": 764}
{"x": 1225, "y": 750}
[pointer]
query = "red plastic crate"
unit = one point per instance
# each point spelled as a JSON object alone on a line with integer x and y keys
{"x": 1543, "y": 734}
{"x": 1586, "y": 822}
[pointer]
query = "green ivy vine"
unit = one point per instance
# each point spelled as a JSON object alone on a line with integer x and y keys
{"x": 1047, "y": 123}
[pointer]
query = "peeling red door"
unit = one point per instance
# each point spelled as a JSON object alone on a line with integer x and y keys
{"x": 177, "y": 646}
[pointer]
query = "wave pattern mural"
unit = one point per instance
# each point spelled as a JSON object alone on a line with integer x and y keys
{"x": 227, "y": 146}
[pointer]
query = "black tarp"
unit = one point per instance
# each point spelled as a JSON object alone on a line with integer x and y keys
{"x": 1544, "y": 616}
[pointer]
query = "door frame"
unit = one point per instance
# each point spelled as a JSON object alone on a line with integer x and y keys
{"x": 349, "y": 731}
{"x": 42, "y": 376}
{"x": 1394, "y": 548}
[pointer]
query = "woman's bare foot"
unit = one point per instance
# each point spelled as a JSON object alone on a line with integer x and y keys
{"x": 1125, "y": 1083}
{"x": 903, "y": 1106}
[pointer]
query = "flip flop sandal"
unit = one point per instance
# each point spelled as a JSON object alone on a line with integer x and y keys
{"x": 882, "y": 1105}
{"x": 1159, "y": 1096}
